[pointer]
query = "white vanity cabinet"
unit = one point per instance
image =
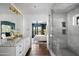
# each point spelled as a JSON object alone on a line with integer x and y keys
{"x": 23, "y": 47}
{"x": 12, "y": 50}
{"x": 26, "y": 45}
{"x": 20, "y": 49}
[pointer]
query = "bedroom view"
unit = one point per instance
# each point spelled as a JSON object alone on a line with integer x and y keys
{"x": 39, "y": 39}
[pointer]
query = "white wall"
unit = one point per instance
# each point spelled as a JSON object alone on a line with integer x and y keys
{"x": 40, "y": 17}
{"x": 73, "y": 31}
{"x": 27, "y": 29}
{"x": 58, "y": 18}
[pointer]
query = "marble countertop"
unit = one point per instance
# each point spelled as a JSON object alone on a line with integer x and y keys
{"x": 9, "y": 43}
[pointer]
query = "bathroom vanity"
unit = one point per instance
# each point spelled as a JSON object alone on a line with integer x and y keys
{"x": 12, "y": 42}
{"x": 18, "y": 47}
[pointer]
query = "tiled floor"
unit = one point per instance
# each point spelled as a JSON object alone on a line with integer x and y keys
{"x": 39, "y": 49}
{"x": 67, "y": 52}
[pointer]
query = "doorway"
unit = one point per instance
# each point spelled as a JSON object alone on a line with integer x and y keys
{"x": 38, "y": 29}
{"x": 39, "y": 40}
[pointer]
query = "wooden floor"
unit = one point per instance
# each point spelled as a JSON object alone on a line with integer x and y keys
{"x": 38, "y": 49}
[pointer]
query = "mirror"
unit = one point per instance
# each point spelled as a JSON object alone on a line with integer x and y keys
{"x": 6, "y": 28}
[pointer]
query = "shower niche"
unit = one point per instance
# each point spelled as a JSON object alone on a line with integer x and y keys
{"x": 64, "y": 28}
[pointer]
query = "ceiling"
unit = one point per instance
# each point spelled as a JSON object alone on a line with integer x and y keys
{"x": 44, "y": 8}
{"x": 64, "y": 7}
{"x": 34, "y": 8}
{"x": 4, "y": 8}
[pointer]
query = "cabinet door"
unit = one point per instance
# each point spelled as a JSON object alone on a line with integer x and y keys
{"x": 7, "y": 51}
{"x": 20, "y": 48}
{"x": 26, "y": 44}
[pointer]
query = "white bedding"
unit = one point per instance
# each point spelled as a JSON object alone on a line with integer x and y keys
{"x": 40, "y": 38}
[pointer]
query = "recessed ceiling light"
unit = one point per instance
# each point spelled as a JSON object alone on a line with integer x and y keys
{"x": 35, "y": 6}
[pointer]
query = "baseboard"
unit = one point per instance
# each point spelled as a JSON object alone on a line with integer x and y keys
{"x": 28, "y": 52}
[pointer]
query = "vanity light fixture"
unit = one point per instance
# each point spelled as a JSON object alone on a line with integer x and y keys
{"x": 15, "y": 10}
{"x": 12, "y": 9}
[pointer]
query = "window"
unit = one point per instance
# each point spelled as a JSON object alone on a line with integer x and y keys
{"x": 76, "y": 20}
